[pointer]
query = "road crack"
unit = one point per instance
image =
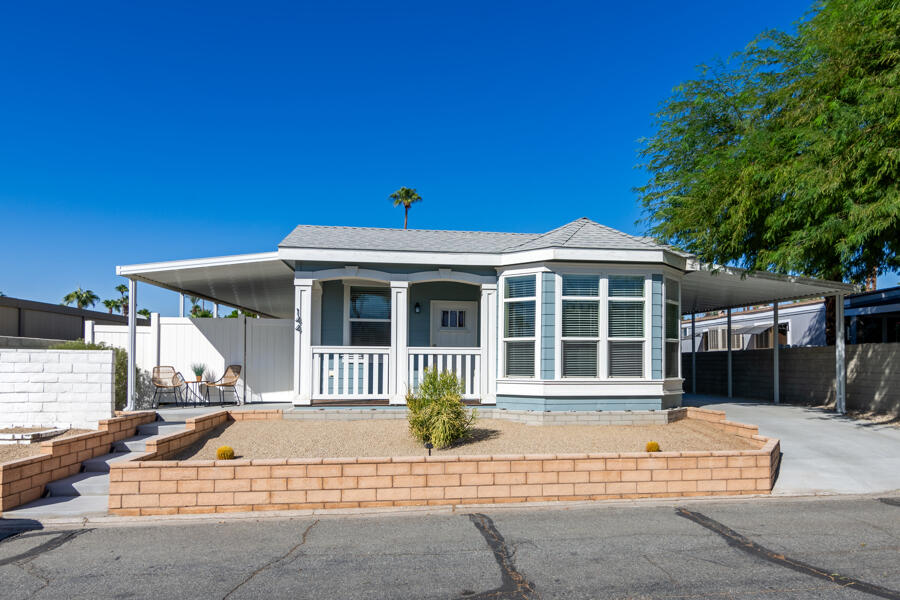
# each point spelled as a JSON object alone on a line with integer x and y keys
{"x": 513, "y": 583}
{"x": 284, "y": 558}
{"x": 736, "y": 540}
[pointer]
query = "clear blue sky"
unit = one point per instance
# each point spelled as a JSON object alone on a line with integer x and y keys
{"x": 135, "y": 133}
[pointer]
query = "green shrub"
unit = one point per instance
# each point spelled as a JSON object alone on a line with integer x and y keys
{"x": 436, "y": 412}
{"x": 121, "y": 383}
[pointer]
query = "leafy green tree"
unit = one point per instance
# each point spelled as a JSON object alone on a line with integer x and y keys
{"x": 787, "y": 156}
{"x": 236, "y": 313}
{"x": 81, "y": 298}
{"x": 407, "y": 197}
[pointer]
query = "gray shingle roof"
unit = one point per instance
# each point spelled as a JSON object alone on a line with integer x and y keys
{"x": 581, "y": 233}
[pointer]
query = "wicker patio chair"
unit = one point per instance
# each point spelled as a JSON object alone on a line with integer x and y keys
{"x": 166, "y": 380}
{"x": 228, "y": 380}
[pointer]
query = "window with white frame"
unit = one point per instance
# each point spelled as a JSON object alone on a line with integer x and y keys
{"x": 673, "y": 322}
{"x": 370, "y": 316}
{"x": 453, "y": 319}
{"x": 580, "y": 325}
{"x": 519, "y": 331}
{"x": 626, "y": 325}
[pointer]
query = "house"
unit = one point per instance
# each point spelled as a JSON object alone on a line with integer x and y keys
{"x": 30, "y": 324}
{"x": 871, "y": 317}
{"x": 799, "y": 324}
{"x": 582, "y": 317}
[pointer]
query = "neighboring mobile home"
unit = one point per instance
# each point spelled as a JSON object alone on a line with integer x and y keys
{"x": 582, "y": 317}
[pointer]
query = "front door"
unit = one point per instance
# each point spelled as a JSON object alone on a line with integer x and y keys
{"x": 454, "y": 324}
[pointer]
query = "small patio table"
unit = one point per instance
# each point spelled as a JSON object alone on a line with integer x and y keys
{"x": 197, "y": 396}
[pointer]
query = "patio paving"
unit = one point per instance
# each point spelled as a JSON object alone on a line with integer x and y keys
{"x": 822, "y": 452}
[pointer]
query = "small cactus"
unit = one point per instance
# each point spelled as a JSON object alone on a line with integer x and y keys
{"x": 652, "y": 447}
{"x": 225, "y": 453}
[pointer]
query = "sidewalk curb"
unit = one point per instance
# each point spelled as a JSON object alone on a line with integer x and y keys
{"x": 116, "y": 521}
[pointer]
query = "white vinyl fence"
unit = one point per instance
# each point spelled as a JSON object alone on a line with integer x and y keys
{"x": 264, "y": 348}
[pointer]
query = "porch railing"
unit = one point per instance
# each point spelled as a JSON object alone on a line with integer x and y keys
{"x": 344, "y": 372}
{"x": 464, "y": 362}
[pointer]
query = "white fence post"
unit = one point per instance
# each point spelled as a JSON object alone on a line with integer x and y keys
{"x": 88, "y": 332}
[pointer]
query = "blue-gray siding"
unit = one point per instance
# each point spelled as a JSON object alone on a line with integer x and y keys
{"x": 332, "y": 313}
{"x": 548, "y": 326}
{"x": 656, "y": 325}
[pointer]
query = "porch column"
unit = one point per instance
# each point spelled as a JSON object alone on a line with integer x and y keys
{"x": 840, "y": 380}
{"x": 303, "y": 341}
{"x": 488, "y": 311}
{"x": 775, "y": 344}
{"x": 730, "y": 373}
{"x": 399, "y": 358}
{"x": 693, "y": 353}
{"x": 132, "y": 341}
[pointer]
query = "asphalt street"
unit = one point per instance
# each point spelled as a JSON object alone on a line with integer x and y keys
{"x": 817, "y": 548}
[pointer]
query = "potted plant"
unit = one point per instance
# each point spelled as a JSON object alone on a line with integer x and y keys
{"x": 198, "y": 369}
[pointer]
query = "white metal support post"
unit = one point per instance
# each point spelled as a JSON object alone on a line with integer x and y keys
{"x": 693, "y": 353}
{"x": 488, "y": 343}
{"x": 132, "y": 341}
{"x": 776, "y": 339}
{"x": 215, "y": 310}
{"x": 730, "y": 373}
{"x": 840, "y": 356}
{"x": 303, "y": 342}
{"x": 181, "y": 305}
{"x": 399, "y": 357}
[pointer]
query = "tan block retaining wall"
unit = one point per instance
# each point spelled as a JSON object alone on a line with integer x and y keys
{"x": 23, "y": 480}
{"x": 152, "y": 487}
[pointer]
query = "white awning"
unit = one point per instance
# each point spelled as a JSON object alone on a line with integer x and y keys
{"x": 259, "y": 283}
{"x": 750, "y": 329}
{"x": 705, "y": 288}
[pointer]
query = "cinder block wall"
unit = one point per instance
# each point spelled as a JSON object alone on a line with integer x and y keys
{"x": 56, "y": 388}
{"x": 806, "y": 375}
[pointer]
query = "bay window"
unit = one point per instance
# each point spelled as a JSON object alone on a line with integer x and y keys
{"x": 580, "y": 325}
{"x": 519, "y": 330}
{"x": 625, "y": 305}
{"x": 673, "y": 321}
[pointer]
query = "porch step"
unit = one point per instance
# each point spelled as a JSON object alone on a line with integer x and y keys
{"x": 83, "y": 484}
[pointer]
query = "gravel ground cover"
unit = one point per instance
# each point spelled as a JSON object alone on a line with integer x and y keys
{"x": 309, "y": 439}
{"x": 13, "y": 451}
{"x": 22, "y": 429}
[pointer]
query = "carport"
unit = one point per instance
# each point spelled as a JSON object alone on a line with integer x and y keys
{"x": 708, "y": 288}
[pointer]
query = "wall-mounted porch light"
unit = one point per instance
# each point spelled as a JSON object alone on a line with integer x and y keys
{"x": 417, "y": 308}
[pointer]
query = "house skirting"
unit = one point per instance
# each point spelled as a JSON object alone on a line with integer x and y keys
{"x": 588, "y": 403}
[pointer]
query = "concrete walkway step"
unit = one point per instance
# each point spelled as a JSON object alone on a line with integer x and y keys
{"x": 161, "y": 428}
{"x": 100, "y": 464}
{"x": 61, "y": 507}
{"x": 83, "y": 484}
{"x": 133, "y": 444}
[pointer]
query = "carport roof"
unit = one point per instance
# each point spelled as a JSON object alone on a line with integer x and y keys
{"x": 707, "y": 288}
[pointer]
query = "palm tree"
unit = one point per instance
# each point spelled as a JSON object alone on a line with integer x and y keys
{"x": 405, "y": 196}
{"x": 144, "y": 313}
{"x": 112, "y": 305}
{"x": 81, "y": 298}
{"x": 123, "y": 301}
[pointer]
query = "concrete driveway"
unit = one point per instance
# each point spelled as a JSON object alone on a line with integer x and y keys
{"x": 822, "y": 452}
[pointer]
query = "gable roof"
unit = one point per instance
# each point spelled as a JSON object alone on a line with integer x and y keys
{"x": 581, "y": 233}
